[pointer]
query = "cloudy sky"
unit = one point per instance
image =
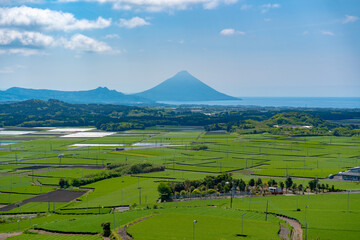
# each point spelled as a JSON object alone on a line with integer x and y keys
{"x": 239, "y": 47}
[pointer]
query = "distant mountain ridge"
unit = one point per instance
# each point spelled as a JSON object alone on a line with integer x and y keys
{"x": 101, "y": 95}
{"x": 184, "y": 87}
{"x": 181, "y": 87}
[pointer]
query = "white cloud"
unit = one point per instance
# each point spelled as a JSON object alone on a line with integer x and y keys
{"x": 158, "y": 5}
{"x": 327, "y": 33}
{"x": 30, "y": 39}
{"x": 230, "y": 32}
{"x": 227, "y": 32}
{"x": 12, "y": 2}
{"x": 349, "y": 19}
{"x": 245, "y": 7}
{"x": 23, "y": 51}
{"x": 112, "y": 36}
{"x": 47, "y": 19}
{"x": 133, "y": 22}
{"x": 266, "y": 7}
{"x": 28, "y": 43}
{"x": 82, "y": 43}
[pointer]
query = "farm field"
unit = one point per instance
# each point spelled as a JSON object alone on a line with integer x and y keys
{"x": 33, "y": 166}
{"x": 327, "y": 216}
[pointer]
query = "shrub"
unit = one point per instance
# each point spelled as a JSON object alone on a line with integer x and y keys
{"x": 196, "y": 192}
{"x": 63, "y": 183}
{"x": 164, "y": 190}
{"x": 211, "y": 191}
{"x": 75, "y": 182}
{"x": 106, "y": 229}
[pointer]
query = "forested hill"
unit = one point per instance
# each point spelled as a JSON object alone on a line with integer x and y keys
{"x": 100, "y": 95}
{"x": 54, "y": 113}
{"x": 296, "y": 119}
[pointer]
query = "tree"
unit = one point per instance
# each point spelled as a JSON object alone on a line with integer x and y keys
{"x": 178, "y": 187}
{"x": 76, "y": 182}
{"x": 272, "y": 182}
{"x": 252, "y": 182}
{"x": 300, "y": 188}
{"x": 106, "y": 229}
{"x": 258, "y": 182}
{"x": 313, "y": 184}
{"x": 226, "y": 188}
{"x": 219, "y": 187}
{"x": 323, "y": 187}
{"x": 294, "y": 187}
{"x": 242, "y": 185}
{"x": 63, "y": 183}
{"x": 282, "y": 185}
{"x": 164, "y": 190}
{"x": 288, "y": 182}
{"x": 209, "y": 181}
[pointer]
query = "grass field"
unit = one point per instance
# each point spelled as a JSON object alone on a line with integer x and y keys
{"x": 33, "y": 161}
{"x": 54, "y": 237}
{"x": 211, "y": 224}
{"x": 327, "y": 215}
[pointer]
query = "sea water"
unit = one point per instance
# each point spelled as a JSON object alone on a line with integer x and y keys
{"x": 304, "y": 102}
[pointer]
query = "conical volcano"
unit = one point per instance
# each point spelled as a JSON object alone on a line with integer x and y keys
{"x": 184, "y": 87}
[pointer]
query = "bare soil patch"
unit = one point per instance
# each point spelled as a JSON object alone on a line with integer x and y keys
{"x": 54, "y": 196}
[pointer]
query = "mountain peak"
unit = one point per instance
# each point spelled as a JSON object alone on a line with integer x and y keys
{"x": 102, "y": 89}
{"x": 183, "y": 73}
{"x": 183, "y": 78}
{"x": 184, "y": 87}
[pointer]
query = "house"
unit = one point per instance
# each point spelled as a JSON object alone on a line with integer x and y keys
{"x": 275, "y": 190}
{"x": 353, "y": 174}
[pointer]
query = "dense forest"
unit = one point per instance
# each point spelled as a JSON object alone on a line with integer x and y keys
{"x": 290, "y": 121}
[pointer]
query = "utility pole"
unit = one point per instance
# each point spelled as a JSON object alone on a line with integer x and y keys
{"x": 306, "y": 225}
{"x": 232, "y": 194}
{"x": 242, "y": 223}
{"x": 348, "y": 201}
{"x": 194, "y": 229}
{"x": 114, "y": 218}
{"x": 249, "y": 201}
{"x": 266, "y": 213}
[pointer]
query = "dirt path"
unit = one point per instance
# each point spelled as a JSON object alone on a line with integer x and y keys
{"x": 7, "y": 235}
{"x": 284, "y": 231}
{"x": 122, "y": 231}
{"x": 297, "y": 232}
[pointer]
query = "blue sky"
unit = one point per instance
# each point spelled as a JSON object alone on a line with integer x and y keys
{"x": 240, "y": 47}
